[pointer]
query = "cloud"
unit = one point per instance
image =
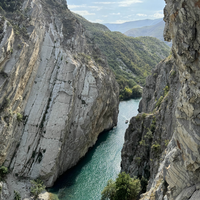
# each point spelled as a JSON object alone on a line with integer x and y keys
{"x": 158, "y": 14}
{"x": 105, "y": 3}
{"x": 127, "y": 3}
{"x": 76, "y": 6}
{"x": 97, "y": 8}
{"x": 141, "y": 15}
{"x": 119, "y": 21}
{"x": 124, "y": 3}
{"x": 115, "y": 13}
{"x": 83, "y": 12}
{"x": 97, "y": 21}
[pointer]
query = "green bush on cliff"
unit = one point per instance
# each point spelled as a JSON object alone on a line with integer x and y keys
{"x": 3, "y": 172}
{"x": 37, "y": 187}
{"x": 17, "y": 196}
{"x": 124, "y": 187}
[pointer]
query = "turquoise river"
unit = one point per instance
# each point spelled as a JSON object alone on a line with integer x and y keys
{"x": 86, "y": 180}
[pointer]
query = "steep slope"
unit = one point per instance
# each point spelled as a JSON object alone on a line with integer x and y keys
{"x": 55, "y": 98}
{"x": 133, "y": 24}
{"x": 168, "y": 136}
{"x": 152, "y": 31}
{"x": 131, "y": 59}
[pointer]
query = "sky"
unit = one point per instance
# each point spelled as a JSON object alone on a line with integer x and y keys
{"x": 117, "y": 11}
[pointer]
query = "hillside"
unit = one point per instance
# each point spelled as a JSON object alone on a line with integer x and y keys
{"x": 132, "y": 24}
{"x": 131, "y": 59}
{"x": 152, "y": 31}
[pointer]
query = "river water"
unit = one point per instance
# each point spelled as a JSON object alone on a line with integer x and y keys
{"x": 86, "y": 180}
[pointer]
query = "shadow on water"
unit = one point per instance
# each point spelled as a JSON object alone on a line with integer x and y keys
{"x": 68, "y": 178}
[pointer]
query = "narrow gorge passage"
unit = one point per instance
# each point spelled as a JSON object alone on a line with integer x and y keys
{"x": 101, "y": 163}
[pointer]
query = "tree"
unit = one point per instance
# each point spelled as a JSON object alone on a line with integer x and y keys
{"x": 125, "y": 188}
{"x": 109, "y": 191}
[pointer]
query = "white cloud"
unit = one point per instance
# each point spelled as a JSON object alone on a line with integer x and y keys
{"x": 158, "y": 14}
{"x": 83, "y": 12}
{"x": 119, "y": 22}
{"x": 141, "y": 15}
{"x": 115, "y": 13}
{"x": 127, "y": 3}
{"x": 76, "y": 6}
{"x": 97, "y": 8}
{"x": 97, "y": 21}
{"x": 106, "y": 3}
{"x": 124, "y": 3}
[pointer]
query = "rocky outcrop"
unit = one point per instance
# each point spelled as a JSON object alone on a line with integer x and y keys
{"x": 177, "y": 173}
{"x": 56, "y": 91}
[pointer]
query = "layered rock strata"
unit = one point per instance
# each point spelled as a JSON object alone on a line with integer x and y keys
{"x": 56, "y": 91}
{"x": 176, "y": 172}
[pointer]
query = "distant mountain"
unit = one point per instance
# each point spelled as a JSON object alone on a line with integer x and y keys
{"x": 152, "y": 31}
{"x": 133, "y": 24}
{"x": 131, "y": 59}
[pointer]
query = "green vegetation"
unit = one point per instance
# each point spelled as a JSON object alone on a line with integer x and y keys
{"x": 128, "y": 93}
{"x": 17, "y": 195}
{"x": 153, "y": 125}
{"x": 131, "y": 59}
{"x": 149, "y": 134}
{"x": 166, "y": 142}
{"x": 37, "y": 187}
{"x": 19, "y": 117}
{"x": 124, "y": 187}
{"x": 3, "y": 172}
{"x": 156, "y": 147}
{"x": 166, "y": 90}
{"x": 10, "y": 5}
{"x": 173, "y": 74}
{"x": 159, "y": 102}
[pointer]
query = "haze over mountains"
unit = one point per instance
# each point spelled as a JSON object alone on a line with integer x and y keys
{"x": 132, "y": 24}
{"x": 152, "y": 28}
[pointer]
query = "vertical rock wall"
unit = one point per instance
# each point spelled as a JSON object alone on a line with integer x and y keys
{"x": 55, "y": 98}
{"x": 177, "y": 173}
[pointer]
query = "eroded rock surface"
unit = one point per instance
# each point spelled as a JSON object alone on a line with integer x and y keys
{"x": 55, "y": 98}
{"x": 177, "y": 173}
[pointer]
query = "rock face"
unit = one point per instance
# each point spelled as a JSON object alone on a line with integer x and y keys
{"x": 172, "y": 170}
{"x": 55, "y": 98}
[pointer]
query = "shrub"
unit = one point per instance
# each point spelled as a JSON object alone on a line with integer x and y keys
{"x": 17, "y": 196}
{"x": 166, "y": 142}
{"x": 166, "y": 90}
{"x": 142, "y": 143}
{"x": 156, "y": 147}
{"x": 37, "y": 187}
{"x": 173, "y": 74}
{"x": 159, "y": 101}
{"x": 144, "y": 115}
{"x": 149, "y": 134}
{"x": 3, "y": 172}
{"x": 137, "y": 118}
{"x": 19, "y": 117}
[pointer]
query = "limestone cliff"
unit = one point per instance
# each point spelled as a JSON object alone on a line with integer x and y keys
{"x": 56, "y": 91}
{"x": 163, "y": 145}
